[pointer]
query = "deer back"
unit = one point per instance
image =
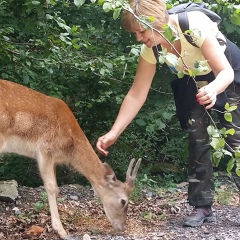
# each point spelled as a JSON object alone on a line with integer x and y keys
{"x": 32, "y": 118}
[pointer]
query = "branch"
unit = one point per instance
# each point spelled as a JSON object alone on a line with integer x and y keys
{"x": 17, "y": 43}
{"x": 127, "y": 8}
{"x": 17, "y": 53}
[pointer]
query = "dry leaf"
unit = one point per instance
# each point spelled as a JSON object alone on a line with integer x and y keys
{"x": 35, "y": 230}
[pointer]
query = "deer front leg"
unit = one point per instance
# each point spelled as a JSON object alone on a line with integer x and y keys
{"x": 47, "y": 170}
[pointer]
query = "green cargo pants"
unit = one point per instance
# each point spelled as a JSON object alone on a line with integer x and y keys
{"x": 201, "y": 184}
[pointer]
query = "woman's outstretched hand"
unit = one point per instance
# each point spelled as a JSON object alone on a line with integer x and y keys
{"x": 106, "y": 141}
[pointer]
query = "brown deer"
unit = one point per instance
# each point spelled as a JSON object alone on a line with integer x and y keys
{"x": 44, "y": 128}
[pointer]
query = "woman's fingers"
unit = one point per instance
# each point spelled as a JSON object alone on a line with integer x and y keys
{"x": 207, "y": 96}
{"x": 101, "y": 146}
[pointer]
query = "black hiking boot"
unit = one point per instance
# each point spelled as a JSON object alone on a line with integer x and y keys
{"x": 198, "y": 216}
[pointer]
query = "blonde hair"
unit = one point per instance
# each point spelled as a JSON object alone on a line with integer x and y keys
{"x": 145, "y": 9}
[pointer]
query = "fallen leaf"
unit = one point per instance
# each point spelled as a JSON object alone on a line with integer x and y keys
{"x": 34, "y": 230}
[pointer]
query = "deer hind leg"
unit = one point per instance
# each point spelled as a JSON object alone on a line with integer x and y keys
{"x": 48, "y": 173}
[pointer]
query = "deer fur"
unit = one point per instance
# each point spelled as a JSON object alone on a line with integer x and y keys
{"x": 44, "y": 128}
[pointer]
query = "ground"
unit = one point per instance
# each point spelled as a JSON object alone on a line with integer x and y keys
{"x": 158, "y": 215}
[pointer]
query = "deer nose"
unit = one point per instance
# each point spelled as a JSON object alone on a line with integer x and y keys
{"x": 119, "y": 227}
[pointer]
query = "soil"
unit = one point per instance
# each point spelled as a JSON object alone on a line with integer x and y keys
{"x": 157, "y": 215}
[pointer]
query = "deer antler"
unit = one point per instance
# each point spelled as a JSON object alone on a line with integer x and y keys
{"x": 131, "y": 175}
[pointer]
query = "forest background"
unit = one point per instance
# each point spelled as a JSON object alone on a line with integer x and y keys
{"x": 79, "y": 52}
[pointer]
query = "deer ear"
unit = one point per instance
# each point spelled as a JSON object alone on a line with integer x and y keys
{"x": 109, "y": 174}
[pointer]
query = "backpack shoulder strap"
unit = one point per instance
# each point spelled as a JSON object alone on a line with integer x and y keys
{"x": 156, "y": 49}
{"x": 184, "y": 25}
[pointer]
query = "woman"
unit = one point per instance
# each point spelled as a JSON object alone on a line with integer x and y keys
{"x": 219, "y": 84}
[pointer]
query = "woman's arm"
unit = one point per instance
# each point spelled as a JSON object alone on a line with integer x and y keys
{"x": 131, "y": 105}
{"x": 221, "y": 68}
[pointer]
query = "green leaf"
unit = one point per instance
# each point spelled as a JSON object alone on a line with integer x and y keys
{"x": 48, "y": 16}
{"x": 232, "y": 108}
{"x": 217, "y": 143}
{"x": 52, "y": 2}
{"x": 227, "y": 106}
{"x": 227, "y": 153}
{"x": 228, "y": 117}
{"x": 235, "y": 20}
{"x": 74, "y": 28}
{"x": 141, "y": 122}
{"x": 79, "y": 3}
{"x": 238, "y": 172}
{"x": 107, "y": 7}
{"x": 119, "y": 4}
{"x": 214, "y": 143}
{"x": 230, "y": 131}
{"x": 190, "y": 72}
{"x": 167, "y": 115}
{"x": 210, "y": 130}
{"x": 76, "y": 46}
{"x": 161, "y": 59}
{"x": 180, "y": 74}
{"x": 200, "y": 69}
{"x": 151, "y": 128}
{"x": 237, "y": 153}
{"x": 230, "y": 165}
{"x": 217, "y": 157}
{"x": 195, "y": 32}
{"x": 151, "y": 18}
{"x": 135, "y": 51}
{"x": 108, "y": 65}
{"x": 116, "y": 13}
{"x": 168, "y": 33}
{"x": 35, "y": 2}
{"x": 100, "y": 2}
{"x": 160, "y": 124}
{"x": 219, "y": 154}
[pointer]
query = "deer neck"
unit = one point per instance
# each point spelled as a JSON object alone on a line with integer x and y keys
{"x": 86, "y": 161}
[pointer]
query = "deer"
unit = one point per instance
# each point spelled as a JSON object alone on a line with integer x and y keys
{"x": 44, "y": 128}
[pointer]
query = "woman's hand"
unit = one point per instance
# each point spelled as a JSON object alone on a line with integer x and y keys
{"x": 207, "y": 96}
{"x": 224, "y": 74}
{"x": 106, "y": 141}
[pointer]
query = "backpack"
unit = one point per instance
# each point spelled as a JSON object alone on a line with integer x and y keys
{"x": 182, "y": 10}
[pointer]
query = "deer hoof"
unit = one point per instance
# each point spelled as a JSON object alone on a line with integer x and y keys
{"x": 63, "y": 235}
{"x": 86, "y": 237}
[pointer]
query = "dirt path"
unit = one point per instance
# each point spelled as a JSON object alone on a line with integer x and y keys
{"x": 158, "y": 215}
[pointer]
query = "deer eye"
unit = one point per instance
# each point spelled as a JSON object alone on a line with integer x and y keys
{"x": 123, "y": 202}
